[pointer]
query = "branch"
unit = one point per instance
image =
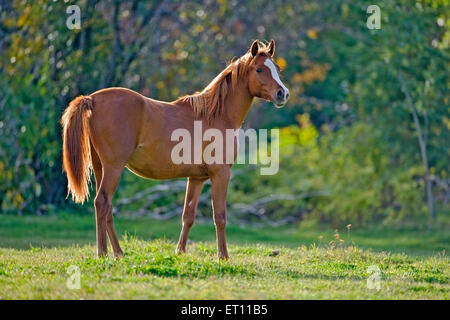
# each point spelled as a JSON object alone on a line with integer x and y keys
{"x": 422, "y": 144}
{"x": 175, "y": 185}
{"x": 255, "y": 206}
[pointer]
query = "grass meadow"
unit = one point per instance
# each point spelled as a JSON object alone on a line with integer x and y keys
{"x": 291, "y": 262}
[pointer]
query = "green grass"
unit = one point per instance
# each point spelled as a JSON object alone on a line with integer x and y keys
{"x": 35, "y": 253}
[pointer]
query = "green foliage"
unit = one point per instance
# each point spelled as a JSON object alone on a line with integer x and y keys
{"x": 348, "y": 144}
{"x": 354, "y": 165}
{"x": 352, "y": 170}
{"x": 29, "y": 151}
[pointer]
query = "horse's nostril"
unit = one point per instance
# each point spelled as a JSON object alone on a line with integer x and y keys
{"x": 280, "y": 94}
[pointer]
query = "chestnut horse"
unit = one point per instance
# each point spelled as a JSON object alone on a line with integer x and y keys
{"x": 115, "y": 128}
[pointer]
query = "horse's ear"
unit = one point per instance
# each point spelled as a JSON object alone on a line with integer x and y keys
{"x": 254, "y": 48}
{"x": 271, "y": 47}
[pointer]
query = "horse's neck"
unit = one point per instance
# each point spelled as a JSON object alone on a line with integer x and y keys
{"x": 237, "y": 105}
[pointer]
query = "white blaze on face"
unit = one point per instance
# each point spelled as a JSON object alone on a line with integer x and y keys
{"x": 273, "y": 70}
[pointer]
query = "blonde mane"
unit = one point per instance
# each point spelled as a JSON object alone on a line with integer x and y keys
{"x": 209, "y": 104}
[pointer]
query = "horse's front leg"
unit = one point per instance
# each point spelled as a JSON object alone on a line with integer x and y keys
{"x": 193, "y": 191}
{"x": 219, "y": 187}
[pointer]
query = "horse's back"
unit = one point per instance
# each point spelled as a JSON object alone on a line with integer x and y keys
{"x": 117, "y": 97}
{"x": 130, "y": 129}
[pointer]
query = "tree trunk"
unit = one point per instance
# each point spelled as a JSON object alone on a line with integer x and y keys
{"x": 422, "y": 145}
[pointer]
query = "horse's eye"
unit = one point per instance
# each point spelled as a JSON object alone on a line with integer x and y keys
{"x": 259, "y": 70}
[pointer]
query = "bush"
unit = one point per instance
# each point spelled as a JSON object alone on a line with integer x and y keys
{"x": 348, "y": 176}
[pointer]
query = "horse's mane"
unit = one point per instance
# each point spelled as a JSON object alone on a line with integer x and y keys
{"x": 209, "y": 104}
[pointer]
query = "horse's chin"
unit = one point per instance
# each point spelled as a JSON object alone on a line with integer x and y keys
{"x": 279, "y": 106}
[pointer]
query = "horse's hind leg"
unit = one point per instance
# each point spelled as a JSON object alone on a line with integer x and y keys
{"x": 98, "y": 174}
{"x": 103, "y": 209}
{"x": 193, "y": 191}
{"x": 112, "y": 234}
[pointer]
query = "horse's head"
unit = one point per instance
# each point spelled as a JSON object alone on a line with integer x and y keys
{"x": 264, "y": 79}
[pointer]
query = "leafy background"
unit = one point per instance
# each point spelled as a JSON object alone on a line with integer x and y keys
{"x": 364, "y": 138}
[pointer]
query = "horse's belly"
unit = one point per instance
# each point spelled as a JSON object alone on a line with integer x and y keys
{"x": 159, "y": 165}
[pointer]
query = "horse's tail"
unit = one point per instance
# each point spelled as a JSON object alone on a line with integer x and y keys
{"x": 76, "y": 147}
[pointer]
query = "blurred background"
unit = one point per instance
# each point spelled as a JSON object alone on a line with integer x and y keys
{"x": 364, "y": 138}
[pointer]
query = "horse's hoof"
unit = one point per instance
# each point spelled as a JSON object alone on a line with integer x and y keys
{"x": 180, "y": 251}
